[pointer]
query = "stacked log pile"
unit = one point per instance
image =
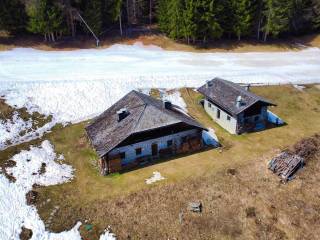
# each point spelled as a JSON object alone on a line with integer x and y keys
{"x": 114, "y": 164}
{"x": 191, "y": 145}
{"x": 286, "y": 164}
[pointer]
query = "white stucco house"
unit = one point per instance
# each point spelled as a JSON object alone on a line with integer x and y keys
{"x": 234, "y": 107}
{"x": 138, "y": 129}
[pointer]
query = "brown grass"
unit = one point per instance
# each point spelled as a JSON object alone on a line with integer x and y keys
{"x": 83, "y": 42}
{"x": 248, "y": 204}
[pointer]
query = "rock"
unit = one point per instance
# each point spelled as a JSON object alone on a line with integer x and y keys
{"x": 25, "y": 234}
{"x": 195, "y": 207}
{"x": 232, "y": 171}
{"x": 31, "y": 197}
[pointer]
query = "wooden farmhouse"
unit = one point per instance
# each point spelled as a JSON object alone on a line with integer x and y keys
{"x": 138, "y": 129}
{"x": 234, "y": 107}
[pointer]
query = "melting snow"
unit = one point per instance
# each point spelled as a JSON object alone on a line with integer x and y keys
{"x": 174, "y": 96}
{"x": 210, "y": 138}
{"x": 15, "y": 213}
{"x": 155, "y": 177}
{"x": 107, "y": 235}
{"x": 16, "y": 130}
{"x": 77, "y": 85}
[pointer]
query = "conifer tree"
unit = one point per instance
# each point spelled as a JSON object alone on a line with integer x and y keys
{"x": 316, "y": 14}
{"x": 163, "y": 16}
{"x": 276, "y": 14}
{"x": 176, "y": 21}
{"x": 189, "y": 25}
{"x": 46, "y": 18}
{"x": 208, "y": 26}
{"x": 242, "y": 21}
{"x": 13, "y": 17}
{"x": 93, "y": 16}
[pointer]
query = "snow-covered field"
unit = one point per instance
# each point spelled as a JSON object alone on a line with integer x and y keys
{"x": 76, "y": 85}
{"x": 15, "y": 213}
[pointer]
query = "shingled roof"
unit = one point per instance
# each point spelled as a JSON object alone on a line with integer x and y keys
{"x": 145, "y": 113}
{"x": 224, "y": 94}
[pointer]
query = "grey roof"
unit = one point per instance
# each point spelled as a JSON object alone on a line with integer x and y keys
{"x": 225, "y": 93}
{"x": 146, "y": 113}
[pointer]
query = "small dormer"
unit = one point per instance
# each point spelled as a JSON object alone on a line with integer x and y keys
{"x": 122, "y": 114}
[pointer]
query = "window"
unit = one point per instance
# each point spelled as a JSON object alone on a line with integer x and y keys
{"x": 256, "y": 118}
{"x": 169, "y": 143}
{"x": 228, "y": 118}
{"x": 123, "y": 155}
{"x": 209, "y": 105}
{"x": 138, "y": 151}
{"x": 218, "y": 113}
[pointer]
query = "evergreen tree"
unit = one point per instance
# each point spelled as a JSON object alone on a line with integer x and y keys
{"x": 316, "y": 14}
{"x": 276, "y": 16}
{"x": 301, "y": 16}
{"x": 242, "y": 17}
{"x": 208, "y": 26}
{"x": 176, "y": 21}
{"x": 163, "y": 16}
{"x": 46, "y": 18}
{"x": 93, "y": 16}
{"x": 189, "y": 25}
{"x": 13, "y": 17}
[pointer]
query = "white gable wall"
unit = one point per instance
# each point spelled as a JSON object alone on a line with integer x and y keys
{"x": 229, "y": 125}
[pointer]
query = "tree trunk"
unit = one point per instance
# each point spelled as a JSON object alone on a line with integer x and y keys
{"x": 259, "y": 21}
{"x": 150, "y": 12}
{"x": 120, "y": 23}
{"x": 52, "y": 36}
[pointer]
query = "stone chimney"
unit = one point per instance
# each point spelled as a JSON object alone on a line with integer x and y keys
{"x": 122, "y": 114}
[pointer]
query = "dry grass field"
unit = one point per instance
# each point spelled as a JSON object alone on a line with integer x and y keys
{"x": 241, "y": 198}
{"x": 83, "y": 42}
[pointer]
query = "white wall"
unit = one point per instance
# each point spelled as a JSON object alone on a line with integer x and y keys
{"x": 229, "y": 125}
{"x": 130, "y": 150}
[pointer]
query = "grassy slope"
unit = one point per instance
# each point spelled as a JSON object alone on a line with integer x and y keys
{"x": 312, "y": 40}
{"x": 151, "y": 212}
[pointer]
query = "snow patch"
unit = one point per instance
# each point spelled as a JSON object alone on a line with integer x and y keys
{"x": 155, "y": 178}
{"x": 299, "y": 87}
{"x": 17, "y": 130}
{"x": 15, "y": 212}
{"x": 210, "y": 138}
{"x": 273, "y": 118}
{"x": 174, "y": 96}
{"x": 107, "y": 235}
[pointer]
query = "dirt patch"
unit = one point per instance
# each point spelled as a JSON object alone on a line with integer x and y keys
{"x": 223, "y": 45}
{"x": 25, "y": 234}
{"x": 31, "y": 197}
{"x": 307, "y": 148}
{"x": 42, "y": 169}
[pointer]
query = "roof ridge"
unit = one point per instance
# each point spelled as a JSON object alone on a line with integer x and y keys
{"x": 140, "y": 116}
